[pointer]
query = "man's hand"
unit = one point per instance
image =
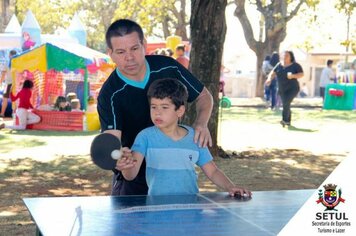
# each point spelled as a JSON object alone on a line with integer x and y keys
{"x": 202, "y": 136}
{"x": 126, "y": 161}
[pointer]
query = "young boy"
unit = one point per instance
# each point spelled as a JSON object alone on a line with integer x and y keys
{"x": 169, "y": 148}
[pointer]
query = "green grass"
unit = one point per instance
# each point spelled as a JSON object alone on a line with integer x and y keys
{"x": 263, "y": 114}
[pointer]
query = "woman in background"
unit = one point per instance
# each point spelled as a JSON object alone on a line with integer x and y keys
{"x": 287, "y": 74}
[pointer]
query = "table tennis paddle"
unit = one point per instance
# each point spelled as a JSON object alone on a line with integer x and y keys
{"x": 105, "y": 150}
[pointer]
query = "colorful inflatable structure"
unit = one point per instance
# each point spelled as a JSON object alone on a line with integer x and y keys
{"x": 58, "y": 70}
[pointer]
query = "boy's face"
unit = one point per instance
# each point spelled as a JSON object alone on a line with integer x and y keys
{"x": 164, "y": 113}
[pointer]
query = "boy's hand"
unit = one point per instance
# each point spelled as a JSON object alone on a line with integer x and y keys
{"x": 240, "y": 192}
{"x": 126, "y": 161}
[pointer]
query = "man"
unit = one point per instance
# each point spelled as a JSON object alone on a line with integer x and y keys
{"x": 122, "y": 103}
{"x": 6, "y": 75}
{"x": 181, "y": 58}
{"x": 326, "y": 77}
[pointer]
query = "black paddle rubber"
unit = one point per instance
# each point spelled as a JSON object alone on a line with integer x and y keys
{"x": 102, "y": 148}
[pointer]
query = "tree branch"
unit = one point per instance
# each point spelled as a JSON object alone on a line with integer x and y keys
{"x": 295, "y": 11}
{"x": 240, "y": 13}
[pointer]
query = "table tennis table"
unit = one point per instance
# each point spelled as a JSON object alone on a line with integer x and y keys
{"x": 202, "y": 214}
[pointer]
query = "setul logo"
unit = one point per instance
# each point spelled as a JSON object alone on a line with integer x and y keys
{"x": 330, "y": 198}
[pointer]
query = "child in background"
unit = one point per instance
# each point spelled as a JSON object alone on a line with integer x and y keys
{"x": 75, "y": 104}
{"x": 71, "y": 96}
{"x": 91, "y": 104}
{"x": 23, "y": 112}
{"x": 62, "y": 104}
{"x": 169, "y": 148}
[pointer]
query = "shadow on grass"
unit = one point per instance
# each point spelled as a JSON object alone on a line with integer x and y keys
{"x": 52, "y": 133}
{"x": 294, "y": 128}
{"x": 64, "y": 176}
{"x": 73, "y": 174}
{"x": 275, "y": 169}
{"x": 263, "y": 114}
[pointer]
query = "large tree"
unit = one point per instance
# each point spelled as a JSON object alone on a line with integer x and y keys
{"x": 276, "y": 15}
{"x": 207, "y": 37}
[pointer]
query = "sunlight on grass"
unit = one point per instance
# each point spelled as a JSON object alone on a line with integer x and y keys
{"x": 263, "y": 114}
{"x": 10, "y": 142}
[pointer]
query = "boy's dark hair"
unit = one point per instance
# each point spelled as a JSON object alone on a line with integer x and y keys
{"x": 329, "y": 62}
{"x": 168, "y": 88}
{"x": 122, "y": 27}
{"x": 27, "y": 84}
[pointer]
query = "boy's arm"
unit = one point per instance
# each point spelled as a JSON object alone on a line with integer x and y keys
{"x": 220, "y": 179}
{"x": 129, "y": 167}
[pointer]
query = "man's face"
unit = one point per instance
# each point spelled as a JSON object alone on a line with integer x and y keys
{"x": 128, "y": 52}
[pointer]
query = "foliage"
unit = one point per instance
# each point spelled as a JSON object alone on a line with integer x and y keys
{"x": 158, "y": 18}
{"x": 347, "y": 7}
{"x": 51, "y": 15}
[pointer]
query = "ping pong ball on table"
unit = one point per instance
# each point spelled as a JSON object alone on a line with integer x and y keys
{"x": 116, "y": 154}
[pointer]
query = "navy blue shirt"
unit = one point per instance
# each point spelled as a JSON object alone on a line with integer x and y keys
{"x": 283, "y": 81}
{"x": 123, "y": 105}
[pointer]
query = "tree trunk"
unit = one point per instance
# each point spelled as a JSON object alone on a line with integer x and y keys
{"x": 208, "y": 28}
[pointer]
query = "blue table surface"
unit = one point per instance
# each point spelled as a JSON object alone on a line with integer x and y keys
{"x": 202, "y": 214}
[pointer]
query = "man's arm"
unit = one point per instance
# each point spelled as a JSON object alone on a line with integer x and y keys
{"x": 204, "y": 107}
{"x": 220, "y": 179}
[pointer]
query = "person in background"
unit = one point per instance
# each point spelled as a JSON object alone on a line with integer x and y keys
{"x": 6, "y": 76}
{"x": 181, "y": 57}
{"x": 266, "y": 69}
{"x": 62, "y": 104}
{"x": 170, "y": 52}
{"x": 23, "y": 112}
{"x": 28, "y": 43}
{"x": 223, "y": 70}
{"x": 327, "y": 76}
{"x": 287, "y": 74}
{"x": 75, "y": 104}
{"x": 304, "y": 92}
{"x": 273, "y": 87}
{"x": 71, "y": 96}
{"x": 91, "y": 104}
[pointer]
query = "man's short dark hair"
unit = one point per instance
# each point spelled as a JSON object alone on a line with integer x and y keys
{"x": 122, "y": 27}
{"x": 168, "y": 88}
{"x": 180, "y": 47}
{"x": 329, "y": 62}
